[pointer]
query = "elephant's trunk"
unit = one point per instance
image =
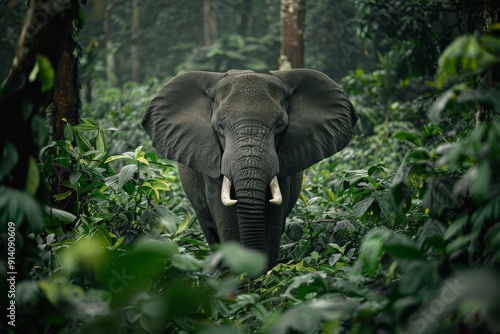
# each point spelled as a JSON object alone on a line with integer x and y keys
{"x": 250, "y": 193}
{"x": 250, "y": 162}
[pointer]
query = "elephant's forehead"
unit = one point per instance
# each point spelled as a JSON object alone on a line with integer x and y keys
{"x": 250, "y": 84}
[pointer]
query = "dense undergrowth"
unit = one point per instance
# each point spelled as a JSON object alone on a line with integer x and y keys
{"x": 397, "y": 233}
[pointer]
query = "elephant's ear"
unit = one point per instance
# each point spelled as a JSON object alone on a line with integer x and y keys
{"x": 321, "y": 119}
{"x": 178, "y": 120}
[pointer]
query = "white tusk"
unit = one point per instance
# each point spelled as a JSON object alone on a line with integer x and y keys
{"x": 225, "y": 194}
{"x": 275, "y": 191}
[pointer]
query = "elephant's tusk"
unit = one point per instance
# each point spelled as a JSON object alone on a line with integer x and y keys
{"x": 225, "y": 194}
{"x": 275, "y": 191}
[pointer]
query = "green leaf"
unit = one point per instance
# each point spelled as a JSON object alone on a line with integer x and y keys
{"x": 61, "y": 215}
{"x": 34, "y": 72}
{"x": 419, "y": 154}
{"x": 59, "y": 294}
{"x": 61, "y": 196}
{"x": 431, "y": 235}
{"x": 477, "y": 58}
{"x": 420, "y": 276}
{"x": 182, "y": 226}
{"x": 138, "y": 153}
{"x": 186, "y": 262}
{"x": 149, "y": 257}
{"x": 437, "y": 108}
{"x": 362, "y": 206}
{"x": 68, "y": 132}
{"x": 100, "y": 143}
{"x": 160, "y": 247}
{"x": 408, "y": 136}
{"x": 116, "y": 244}
{"x": 309, "y": 317}
{"x": 378, "y": 168}
{"x": 46, "y": 73}
{"x": 449, "y": 59}
{"x": 334, "y": 258}
{"x": 85, "y": 127}
{"x": 116, "y": 157}
{"x": 440, "y": 196}
{"x": 471, "y": 53}
{"x": 33, "y": 176}
{"x": 240, "y": 259}
{"x": 489, "y": 211}
{"x": 480, "y": 185}
{"x": 82, "y": 142}
{"x": 400, "y": 197}
{"x": 81, "y": 17}
{"x": 455, "y": 227}
{"x": 337, "y": 247}
{"x": 371, "y": 249}
{"x": 74, "y": 177}
{"x": 430, "y": 131}
{"x": 126, "y": 174}
{"x": 160, "y": 185}
{"x": 492, "y": 238}
{"x": 401, "y": 248}
{"x": 461, "y": 242}
{"x": 169, "y": 220}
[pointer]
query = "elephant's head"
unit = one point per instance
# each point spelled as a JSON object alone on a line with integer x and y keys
{"x": 248, "y": 128}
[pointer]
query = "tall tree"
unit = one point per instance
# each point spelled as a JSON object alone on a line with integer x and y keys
{"x": 209, "y": 22}
{"x": 292, "y": 32}
{"x": 246, "y": 12}
{"x": 110, "y": 49}
{"x": 134, "y": 48}
{"x": 66, "y": 100}
{"x": 490, "y": 15}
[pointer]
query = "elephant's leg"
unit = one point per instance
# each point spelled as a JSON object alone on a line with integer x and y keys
{"x": 295, "y": 189}
{"x": 194, "y": 187}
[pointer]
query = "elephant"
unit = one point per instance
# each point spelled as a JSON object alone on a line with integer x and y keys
{"x": 242, "y": 140}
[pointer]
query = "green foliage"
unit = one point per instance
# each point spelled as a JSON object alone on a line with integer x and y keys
{"x": 121, "y": 110}
{"x": 468, "y": 53}
{"x": 397, "y": 233}
{"x": 330, "y": 39}
{"x": 234, "y": 52}
{"x": 128, "y": 201}
{"x": 405, "y": 31}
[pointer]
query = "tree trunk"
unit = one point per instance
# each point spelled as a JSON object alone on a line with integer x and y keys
{"x": 66, "y": 101}
{"x": 292, "y": 33}
{"x": 246, "y": 12}
{"x": 110, "y": 55}
{"x": 487, "y": 81}
{"x": 134, "y": 49}
{"x": 209, "y": 22}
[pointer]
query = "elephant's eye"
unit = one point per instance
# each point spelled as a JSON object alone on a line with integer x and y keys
{"x": 220, "y": 128}
{"x": 279, "y": 125}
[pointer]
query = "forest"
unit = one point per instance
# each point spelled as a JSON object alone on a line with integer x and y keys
{"x": 398, "y": 232}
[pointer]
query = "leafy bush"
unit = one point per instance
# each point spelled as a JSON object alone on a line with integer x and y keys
{"x": 120, "y": 110}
